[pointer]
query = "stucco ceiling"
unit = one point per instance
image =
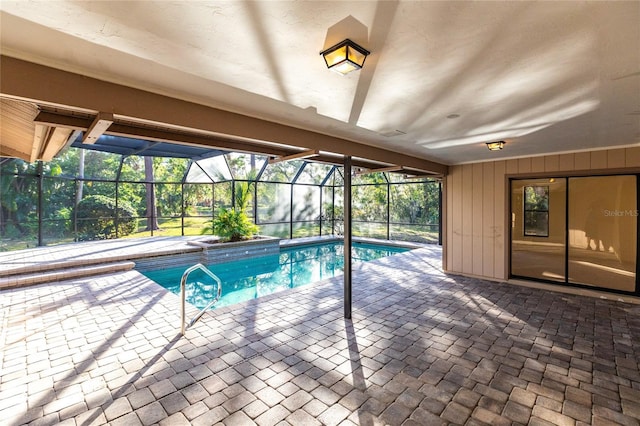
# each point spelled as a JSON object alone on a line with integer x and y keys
{"x": 442, "y": 79}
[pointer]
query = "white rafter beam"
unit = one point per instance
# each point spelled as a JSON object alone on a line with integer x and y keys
{"x": 100, "y": 125}
{"x": 300, "y": 155}
{"x": 380, "y": 170}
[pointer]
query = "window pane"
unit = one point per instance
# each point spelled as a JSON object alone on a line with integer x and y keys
{"x": 197, "y": 175}
{"x": 215, "y": 169}
{"x": 284, "y": 171}
{"x": 306, "y": 202}
{"x": 532, "y": 256}
{"x": 536, "y": 198}
{"x": 536, "y": 208}
{"x": 245, "y": 166}
{"x": 274, "y": 202}
{"x": 314, "y": 173}
{"x": 536, "y": 223}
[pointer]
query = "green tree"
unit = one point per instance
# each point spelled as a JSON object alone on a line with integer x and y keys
{"x": 168, "y": 175}
{"x": 17, "y": 191}
{"x": 97, "y": 218}
{"x": 369, "y": 198}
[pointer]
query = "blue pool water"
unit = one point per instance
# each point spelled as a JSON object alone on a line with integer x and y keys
{"x": 259, "y": 276}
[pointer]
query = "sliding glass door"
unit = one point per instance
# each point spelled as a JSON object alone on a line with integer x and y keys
{"x": 603, "y": 232}
{"x": 538, "y": 232}
{"x": 576, "y": 230}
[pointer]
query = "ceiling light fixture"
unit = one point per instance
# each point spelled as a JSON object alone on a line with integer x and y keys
{"x": 345, "y": 57}
{"x": 495, "y": 146}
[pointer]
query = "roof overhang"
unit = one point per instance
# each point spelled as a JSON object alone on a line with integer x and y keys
{"x": 72, "y": 101}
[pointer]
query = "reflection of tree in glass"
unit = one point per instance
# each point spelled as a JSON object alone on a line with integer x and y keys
{"x": 306, "y": 199}
{"x": 536, "y": 210}
{"x": 274, "y": 202}
{"x": 536, "y": 198}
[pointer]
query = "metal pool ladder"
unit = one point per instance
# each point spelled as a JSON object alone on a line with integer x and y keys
{"x": 183, "y": 283}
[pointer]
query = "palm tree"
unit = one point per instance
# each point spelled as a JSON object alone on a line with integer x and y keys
{"x": 244, "y": 190}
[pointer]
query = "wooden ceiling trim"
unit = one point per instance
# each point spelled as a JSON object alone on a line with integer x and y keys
{"x": 39, "y": 136}
{"x": 127, "y": 129}
{"x": 50, "y": 86}
{"x": 8, "y": 151}
{"x": 17, "y": 129}
{"x": 55, "y": 141}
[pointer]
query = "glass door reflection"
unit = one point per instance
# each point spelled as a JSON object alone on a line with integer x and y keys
{"x": 602, "y": 225}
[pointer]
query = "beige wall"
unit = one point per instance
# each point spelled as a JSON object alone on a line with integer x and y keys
{"x": 476, "y": 210}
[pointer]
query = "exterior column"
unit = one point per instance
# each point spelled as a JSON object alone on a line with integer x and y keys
{"x": 40, "y": 202}
{"x": 347, "y": 237}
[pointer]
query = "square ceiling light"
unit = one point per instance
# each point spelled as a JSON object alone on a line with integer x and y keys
{"x": 345, "y": 57}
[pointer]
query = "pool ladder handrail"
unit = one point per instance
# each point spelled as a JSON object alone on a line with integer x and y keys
{"x": 183, "y": 284}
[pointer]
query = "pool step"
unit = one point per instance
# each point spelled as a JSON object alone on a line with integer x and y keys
{"x": 21, "y": 280}
{"x": 170, "y": 261}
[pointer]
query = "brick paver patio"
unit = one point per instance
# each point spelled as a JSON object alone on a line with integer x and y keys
{"x": 423, "y": 348}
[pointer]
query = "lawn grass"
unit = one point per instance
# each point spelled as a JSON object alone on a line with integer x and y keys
{"x": 193, "y": 226}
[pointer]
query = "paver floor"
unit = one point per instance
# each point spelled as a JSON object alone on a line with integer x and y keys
{"x": 44, "y": 258}
{"x": 422, "y": 348}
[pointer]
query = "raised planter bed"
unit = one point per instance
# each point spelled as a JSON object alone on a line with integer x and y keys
{"x": 215, "y": 251}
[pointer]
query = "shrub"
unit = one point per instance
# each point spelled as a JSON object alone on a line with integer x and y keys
{"x": 97, "y": 218}
{"x": 232, "y": 225}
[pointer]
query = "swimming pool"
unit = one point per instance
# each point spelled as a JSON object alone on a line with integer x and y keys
{"x": 259, "y": 276}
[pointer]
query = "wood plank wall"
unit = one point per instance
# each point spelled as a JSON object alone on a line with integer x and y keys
{"x": 476, "y": 211}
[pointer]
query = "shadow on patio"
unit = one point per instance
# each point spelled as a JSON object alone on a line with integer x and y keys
{"x": 422, "y": 348}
